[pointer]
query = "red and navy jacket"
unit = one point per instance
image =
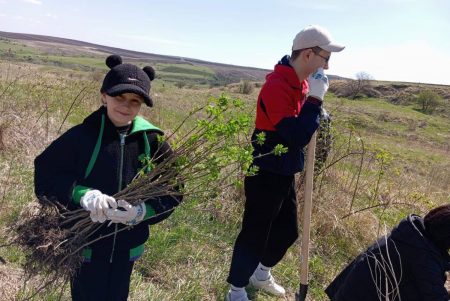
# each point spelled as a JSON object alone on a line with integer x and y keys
{"x": 287, "y": 116}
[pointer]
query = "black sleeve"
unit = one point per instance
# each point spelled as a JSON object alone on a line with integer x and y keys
{"x": 430, "y": 277}
{"x": 297, "y": 131}
{"x": 55, "y": 171}
{"x": 165, "y": 205}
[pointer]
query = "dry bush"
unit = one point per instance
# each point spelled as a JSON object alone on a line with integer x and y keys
{"x": 401, "y": 98}
{"x": 246, "y": 87}
{"x": 22, "y": 136}
{"x": 180, "y": 84}
{"x": 337, "y": 87}
{"x": 386, "y": 90}
{"x": 360, "y": 87}
{"x": 353, "y": 89}
{"x": 258, "y": 84}
{"x": 371, "y": 92}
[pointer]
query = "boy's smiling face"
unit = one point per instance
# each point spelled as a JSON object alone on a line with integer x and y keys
{"x": 122, "y": 109}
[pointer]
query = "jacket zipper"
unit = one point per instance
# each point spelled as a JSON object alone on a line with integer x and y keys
{"x": 122, "y": 146}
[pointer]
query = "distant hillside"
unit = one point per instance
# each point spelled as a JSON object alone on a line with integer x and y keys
{"x": 54, "y": 47}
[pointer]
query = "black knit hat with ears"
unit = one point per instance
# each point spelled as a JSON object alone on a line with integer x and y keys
{"x": 127, "y": 78}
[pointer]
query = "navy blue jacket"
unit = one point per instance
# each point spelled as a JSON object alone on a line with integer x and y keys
{"x": 406, "y": 259}
{"x": 82, "y": 159}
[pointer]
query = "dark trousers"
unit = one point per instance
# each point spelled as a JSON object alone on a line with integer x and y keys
{"x": 269, "y": 226}
{"x": 100, "y": 280}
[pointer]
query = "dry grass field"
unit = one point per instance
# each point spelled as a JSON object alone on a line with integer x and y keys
{"x": 387, "y": 159}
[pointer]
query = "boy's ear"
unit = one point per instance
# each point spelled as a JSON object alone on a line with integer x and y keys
{"x": 103, "y": 99}
{"x": 307, "y": 53}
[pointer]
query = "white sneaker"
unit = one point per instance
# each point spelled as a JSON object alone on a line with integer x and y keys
{"x": 241, "y": 298}
{"x": 268, "y": 286}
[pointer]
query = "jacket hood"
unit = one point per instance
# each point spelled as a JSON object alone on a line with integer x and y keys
{"x": 411, "y": 231}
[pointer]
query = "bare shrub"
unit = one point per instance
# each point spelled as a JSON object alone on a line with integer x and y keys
{"x": 355, "y": 88}
{"x": 180, "y": 85}
{"x": 246, "y": 87}
{"x": 386, "y": 90}
{"x": 371, "y": 92}
{"x": 401, "y": 98}
{"x": 337, "y": 87}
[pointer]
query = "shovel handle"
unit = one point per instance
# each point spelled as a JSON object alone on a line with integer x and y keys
{"x": 307, "y": 208}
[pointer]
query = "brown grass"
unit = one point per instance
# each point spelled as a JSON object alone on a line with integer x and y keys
{"x": 11, "y": 280}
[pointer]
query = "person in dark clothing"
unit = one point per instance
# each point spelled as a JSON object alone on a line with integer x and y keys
{"x": 92, "y": 161}
{"x": 287, "y": 113}
{"x": 408, "y": 264}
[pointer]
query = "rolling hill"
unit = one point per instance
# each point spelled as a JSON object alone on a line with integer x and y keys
{"x": 51, "y": 49}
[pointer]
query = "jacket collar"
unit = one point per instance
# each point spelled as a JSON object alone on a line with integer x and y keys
{"x": 139, "y": 123}
{"x": 142, "y": 125}
{"x": 284, "y": 69}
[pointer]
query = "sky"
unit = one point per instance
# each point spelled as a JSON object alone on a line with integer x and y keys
{"x": 395, "y": 40}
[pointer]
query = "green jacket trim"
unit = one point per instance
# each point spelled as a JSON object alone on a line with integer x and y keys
{"x": 96, "y": 149}
{"x": 78, "y": 192}
{"x": 134, "y": 253}
{"x": 149, "y": 211}
{"x": 140, "y": 124}
{"x": 137, "y": 252}
{"x": 87, "y": 254}
{"x": 147, "y": 146}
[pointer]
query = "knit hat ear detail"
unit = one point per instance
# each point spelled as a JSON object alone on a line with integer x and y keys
{"x": 113, "y": 60}
{"x": 127, "y": 78}
{"x": 150, "y": 72}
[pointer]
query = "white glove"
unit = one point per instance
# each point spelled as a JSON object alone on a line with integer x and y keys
{"x": 131, "y": 216}
{"x": 318, "y": 84}
{"x": 97, "y": 203}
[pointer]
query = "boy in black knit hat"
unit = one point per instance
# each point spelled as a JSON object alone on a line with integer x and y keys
{"x": 93, "y": 161}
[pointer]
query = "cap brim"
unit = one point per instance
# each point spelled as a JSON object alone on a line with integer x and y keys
{"x": 127, "y": 88}
{"x": 332, "y": 47}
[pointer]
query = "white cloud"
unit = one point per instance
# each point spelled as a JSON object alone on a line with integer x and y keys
{"x": 51, "y": 16}
{"x": 27, "y": 19}
{"x": 413, "y": 61}
{"x": 36, "y": 2}
{"x": 2, "y": 15}
{"x": 322, "y": 6}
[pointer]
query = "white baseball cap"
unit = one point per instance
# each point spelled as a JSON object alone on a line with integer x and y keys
{"x": 314, "y": 35}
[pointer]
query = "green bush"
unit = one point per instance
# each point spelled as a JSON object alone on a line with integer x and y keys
{"x": 428, "y": 100}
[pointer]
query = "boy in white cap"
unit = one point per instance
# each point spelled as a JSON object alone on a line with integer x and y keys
{"x": 288, "y": 111}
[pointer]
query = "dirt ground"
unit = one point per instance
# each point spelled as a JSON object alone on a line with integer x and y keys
{"x": 10, "y": 282}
